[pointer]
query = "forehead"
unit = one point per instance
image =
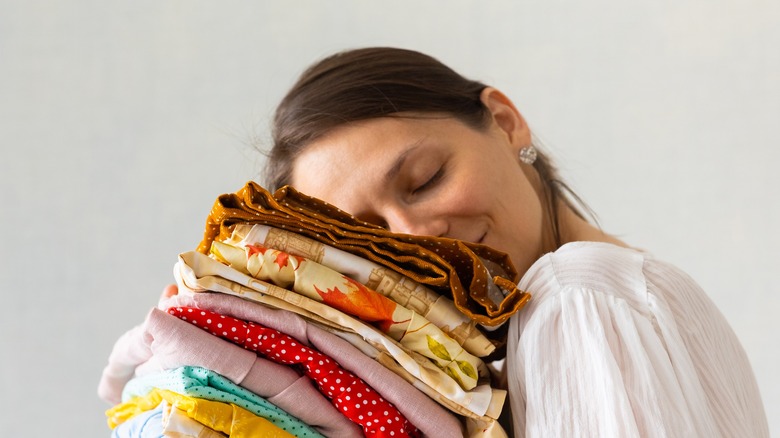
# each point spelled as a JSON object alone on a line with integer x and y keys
{"x": 347, "y": 167}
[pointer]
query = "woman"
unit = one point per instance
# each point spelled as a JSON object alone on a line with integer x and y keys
{"x": 614, "y": 342}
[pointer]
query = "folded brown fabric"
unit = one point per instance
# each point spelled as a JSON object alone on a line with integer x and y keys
{"x": 479, "y": 279}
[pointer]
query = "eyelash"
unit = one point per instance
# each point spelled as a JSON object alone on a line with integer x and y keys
{"x": 431, "y": 181}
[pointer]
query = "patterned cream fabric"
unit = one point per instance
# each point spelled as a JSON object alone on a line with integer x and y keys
{"x": 438, "y": 309}
{"x": 335, "y": 289}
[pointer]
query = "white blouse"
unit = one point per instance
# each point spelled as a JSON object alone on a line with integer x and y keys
{"x": 615, "y": 343}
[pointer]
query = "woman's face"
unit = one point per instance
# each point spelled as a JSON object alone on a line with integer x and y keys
{"x": 431, "y": 176}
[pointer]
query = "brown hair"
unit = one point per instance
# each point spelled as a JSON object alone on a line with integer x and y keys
{"x": 381, "y": 81}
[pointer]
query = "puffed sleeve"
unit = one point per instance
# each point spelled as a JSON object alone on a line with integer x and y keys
{"x": 588, "y": 365}
{"x": 602, "y": 355}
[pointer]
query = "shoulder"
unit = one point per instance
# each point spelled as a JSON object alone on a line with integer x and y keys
{"x": 618, "y": 275}
{"x": 612, "y": 329}
{"x": 586, "y": 265}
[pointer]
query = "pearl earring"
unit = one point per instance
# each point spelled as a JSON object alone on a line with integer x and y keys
{"x": 527, "y": 154}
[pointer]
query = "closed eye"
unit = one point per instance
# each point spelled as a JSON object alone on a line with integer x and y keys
{"x": 430, "y": 182}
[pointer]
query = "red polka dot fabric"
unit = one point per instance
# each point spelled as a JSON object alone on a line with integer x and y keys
{"x": 350, "y": 394}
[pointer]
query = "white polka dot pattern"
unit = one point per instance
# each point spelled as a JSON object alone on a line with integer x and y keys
{"x": 349, "y": 394}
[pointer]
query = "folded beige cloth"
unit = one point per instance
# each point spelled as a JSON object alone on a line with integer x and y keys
{"x": 438, "y": 309}
{"x": 325, "y": 285}
{"x": 197, "y": 273}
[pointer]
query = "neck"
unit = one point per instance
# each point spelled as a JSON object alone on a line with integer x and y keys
{"x": 576, "y": 229}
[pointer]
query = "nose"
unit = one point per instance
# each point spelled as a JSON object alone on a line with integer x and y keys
{"x": 409, "y": 221}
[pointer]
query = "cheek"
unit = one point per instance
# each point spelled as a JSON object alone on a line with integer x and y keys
{"x": 526, "y": 209}
{"x": 469, "y": 195}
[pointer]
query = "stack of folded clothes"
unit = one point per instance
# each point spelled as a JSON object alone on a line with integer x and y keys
{"x": 296, "y": 319}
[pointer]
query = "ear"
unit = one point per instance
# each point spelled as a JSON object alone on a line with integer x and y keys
{"x": 506, "y": 117}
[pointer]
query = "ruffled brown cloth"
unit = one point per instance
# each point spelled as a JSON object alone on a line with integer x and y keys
{"x": 479, "y": 279}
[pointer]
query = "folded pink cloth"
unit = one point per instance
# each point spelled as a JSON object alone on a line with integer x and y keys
{"x": 165, "y": 342}
{"x": 419, "y": 409}
{"x": 348, "y": 393}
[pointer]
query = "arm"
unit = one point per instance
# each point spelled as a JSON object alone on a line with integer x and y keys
{"x": 587, "y": 363}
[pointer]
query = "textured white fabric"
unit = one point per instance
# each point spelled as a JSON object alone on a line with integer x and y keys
{"x": 615, "y": 343}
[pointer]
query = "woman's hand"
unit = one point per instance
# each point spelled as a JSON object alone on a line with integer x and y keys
{"x": 169, "y": 291}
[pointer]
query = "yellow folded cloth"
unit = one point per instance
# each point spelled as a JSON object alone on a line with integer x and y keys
{"x": 177, "y": 424}
{"x": 233, "y": 420}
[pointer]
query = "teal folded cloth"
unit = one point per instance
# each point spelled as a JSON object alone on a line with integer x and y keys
{"x": 206, "y": 384}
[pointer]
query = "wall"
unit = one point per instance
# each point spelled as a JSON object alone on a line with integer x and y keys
{"x": 121, "y": 122}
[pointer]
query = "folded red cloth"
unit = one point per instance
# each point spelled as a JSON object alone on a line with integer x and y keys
{"x": 350, "y": 394}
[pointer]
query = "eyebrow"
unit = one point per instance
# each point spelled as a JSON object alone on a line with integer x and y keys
{"x": 399, "y": 161}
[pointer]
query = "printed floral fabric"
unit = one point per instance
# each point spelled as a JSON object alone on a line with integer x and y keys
{"x": 478, "y": 278}
{"x": 321, "y": 283}
{"x": 438, "y": 309}
{"x": 348, "y": 392}
{"x": 233, "y": 420}
{"x": 199, "y": 273}
{"x": 208, "y": 385}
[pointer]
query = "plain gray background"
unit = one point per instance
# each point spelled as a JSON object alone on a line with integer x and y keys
{"x": 121, "y": 122}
